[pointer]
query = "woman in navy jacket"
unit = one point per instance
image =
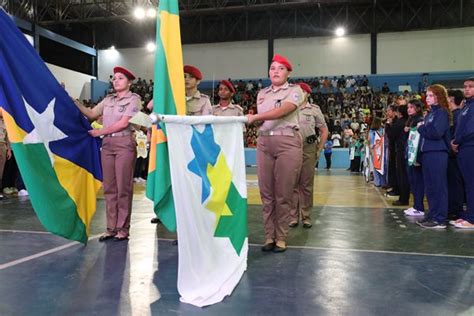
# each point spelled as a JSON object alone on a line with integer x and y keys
{"x": 463, "y": 144}
{"x": 435, "y": 140}
{"x": 415, "y": 174}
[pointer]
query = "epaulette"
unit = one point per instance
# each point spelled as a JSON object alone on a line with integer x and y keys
{"x": 239, "y": 107}
{"x": 204, "y": 95}
{"x": 267, "y": 89}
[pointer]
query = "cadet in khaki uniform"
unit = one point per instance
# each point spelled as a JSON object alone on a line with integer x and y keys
{"x": 225, "y": 106}
{"x": 5, "y": 150}
{"x": 196, "y": 102}
{"x": 312, "y": 124}
{"x": 118, "y": 152}
{"x": 279, "y": 151}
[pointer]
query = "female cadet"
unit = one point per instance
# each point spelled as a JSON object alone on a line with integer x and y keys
{"x": 415, "y": 175}
{"x": 434, "y": 132}
{"x": 463, "y": 144}
{"x": 312, "y": 125}
{"x": 279, "y": 151}
{"x": 118, "y": 152}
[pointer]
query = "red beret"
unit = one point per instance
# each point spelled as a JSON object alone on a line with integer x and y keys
{"x": 193, "y": 71}
{"x": 282, "y": 60}
{"x": 305, "y": 87}
{"x": 229, "y": 85}
{"x": 124, "y": 71}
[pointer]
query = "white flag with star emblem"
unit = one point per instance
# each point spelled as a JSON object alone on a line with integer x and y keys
{"x": 208, "y": 180}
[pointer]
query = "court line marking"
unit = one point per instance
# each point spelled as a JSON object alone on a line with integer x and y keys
{"x": 23, "y": 231}
{"x": 42, "y": 254}
{"x": 360, "y": 250}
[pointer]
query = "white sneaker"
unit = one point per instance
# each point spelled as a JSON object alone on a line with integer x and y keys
{"x": 413, "y": 212}
{"x": 7, "y": 190}
{"x": 408, "y": 210}
{"x": 23, "y": 192}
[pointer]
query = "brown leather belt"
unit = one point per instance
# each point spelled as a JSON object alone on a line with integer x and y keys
{"x": 279, "y": 132}
{"x": 119, "y": 134}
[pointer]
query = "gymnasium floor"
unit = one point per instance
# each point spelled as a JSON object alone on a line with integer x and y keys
{"x": 361, "y": 257}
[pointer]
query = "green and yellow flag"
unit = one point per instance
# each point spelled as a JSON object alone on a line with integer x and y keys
{"x": 58, "y": 160}
{"x": 168, "y": 98}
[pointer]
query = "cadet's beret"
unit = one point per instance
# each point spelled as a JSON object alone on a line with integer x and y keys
{"x": 193, "y": 71}
{"x": 282, "y": 60}
{"x": 124, "y": 71}
{"x": 305, "y": 87}
{"x": 229, "y": 85}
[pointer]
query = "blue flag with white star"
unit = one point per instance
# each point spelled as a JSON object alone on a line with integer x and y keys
{"x": 58, "y": 160}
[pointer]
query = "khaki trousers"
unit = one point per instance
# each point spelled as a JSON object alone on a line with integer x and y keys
{"x": 279, "y": 161}
{"x": 303, "y": 192}
{"x": 118, "y": 162}
{"x": 3, "y": 159}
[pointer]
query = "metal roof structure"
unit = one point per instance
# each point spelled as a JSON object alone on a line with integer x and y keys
{"x": 101, "y": 23}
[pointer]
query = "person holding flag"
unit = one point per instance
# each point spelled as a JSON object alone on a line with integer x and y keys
{"x": 279, "y": 151}
{"x": 58, "y": 160}
{"x": 118, "y": 153}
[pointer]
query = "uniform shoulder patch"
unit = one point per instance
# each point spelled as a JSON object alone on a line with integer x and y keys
{"x": 295, "y": 96}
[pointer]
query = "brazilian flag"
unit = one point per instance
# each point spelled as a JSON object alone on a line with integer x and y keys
{"x": 168, "y": 98}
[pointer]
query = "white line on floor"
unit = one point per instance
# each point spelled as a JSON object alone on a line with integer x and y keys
{"x": 42, "y": 254}
{"x": 361, "y": 250}
{"x": 23, "y": 231}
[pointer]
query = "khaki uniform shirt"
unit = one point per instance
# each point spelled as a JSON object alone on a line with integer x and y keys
{"x": 269, "y": 99}
{"x": 113, "y": 108}
{"x": 3, "y": 133}
{"x": 230, "y": 110}
{"x": 198, "y": 104}
{"x": 310, "y": 119}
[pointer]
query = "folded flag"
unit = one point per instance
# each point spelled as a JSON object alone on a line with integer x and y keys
{"x": 168, "y": 98}
{"x": 58, "y": 160}
{"x": 207, "y": 168}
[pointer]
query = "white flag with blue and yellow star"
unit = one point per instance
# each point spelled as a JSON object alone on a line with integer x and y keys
{"x": 208, "y": 179}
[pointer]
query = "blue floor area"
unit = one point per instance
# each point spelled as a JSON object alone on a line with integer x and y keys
{"x": 98, "y": 280}
{"x": 354, "y": 261}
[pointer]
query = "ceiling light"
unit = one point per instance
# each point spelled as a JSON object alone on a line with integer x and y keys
{"x": 340, "y": 31}
{"x": 151, "y": 47}
{"x": 139, "y": 13}
{"x": 151, "y": 13}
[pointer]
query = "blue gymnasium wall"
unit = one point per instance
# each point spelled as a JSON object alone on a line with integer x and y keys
{"x": 340, "y": 158}
{"x": 377, "y": 81}
{"x": 98, "y": 89}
